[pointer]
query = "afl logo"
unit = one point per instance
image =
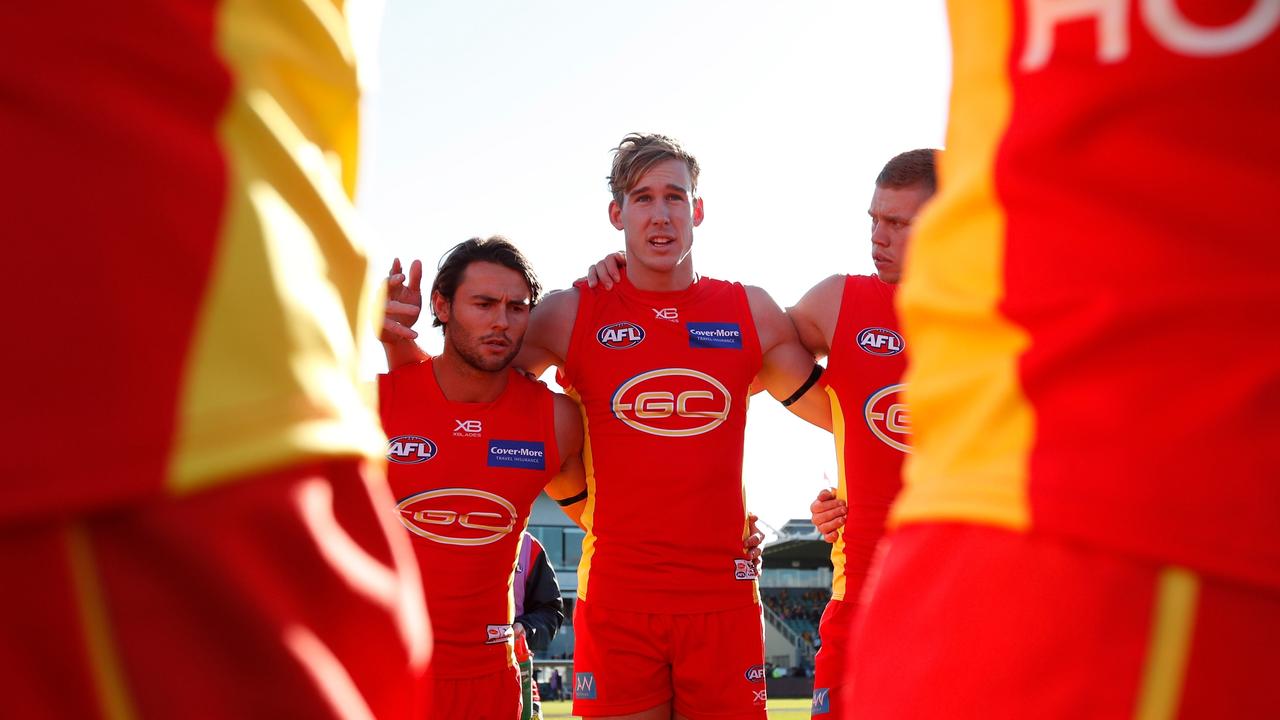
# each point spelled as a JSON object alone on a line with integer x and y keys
{"x": 880, "y": 341}
{"x": 410, "y": 449}
{"x": 620, "y": 336}
{"x": 458, "y": 516}
{"x": 887, "y": 417}
{"x": 672, "y": 402}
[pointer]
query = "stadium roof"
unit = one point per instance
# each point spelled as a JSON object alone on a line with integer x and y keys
{"x": 798, "y": 546}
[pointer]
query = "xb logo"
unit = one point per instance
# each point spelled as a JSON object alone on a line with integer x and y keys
{"x": 671, "y": 314}
{"x": 467, "y": 426}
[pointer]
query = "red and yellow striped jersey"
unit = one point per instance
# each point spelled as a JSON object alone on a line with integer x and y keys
{"x": 870, "y": 422}
{"x": 663, "y": 381}
{"x": 464, "y": 476}
{"x": 189, "y": 294}
{"x": 1092, "y": 300}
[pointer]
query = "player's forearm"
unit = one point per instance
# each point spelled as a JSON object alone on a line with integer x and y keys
{"x": 403, "y": 353}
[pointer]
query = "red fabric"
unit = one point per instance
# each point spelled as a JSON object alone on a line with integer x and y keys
{"x": 475, "y": 511}
{"x": 831, "y": 673}
{"x": 867, "y": 359}
{"x": 200, "y": 594}
{"x": 633, "y": 661}
{"x": 495, "y": 696}
{"x": 693, "y": 482}
{"x": 1142, "y": 259}
{"x": 974, "y": 622}
{"x": 114, "y": 192}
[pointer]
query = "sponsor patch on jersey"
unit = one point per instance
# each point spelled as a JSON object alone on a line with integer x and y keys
{"x": 880, "y": 341}
{"x": 467, "y": 428}
{"x": 410, "y": 449}
{"x": 821, "y": 701}
{"x": 760, "y": 697}
{"x": 458, "y": 516}
{"x": 755, "y": 673}
{"x": 887, "y": 417}
{"x": 726, "y": 336}
{"x": 620, "y": 335}
{"x": 584, "y": 686}
{"x": 522, "y": 454}
{"x": 744, "y": 569}
{"x": 497, "y": 634}
{"x": 672, "y": 402}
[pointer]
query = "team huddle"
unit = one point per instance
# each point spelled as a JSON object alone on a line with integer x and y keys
{"x": 1055, "y": 407}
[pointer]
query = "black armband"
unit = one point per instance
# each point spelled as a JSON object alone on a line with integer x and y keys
{"x": 800, "y": 391}
{"x": 571, "y": 500}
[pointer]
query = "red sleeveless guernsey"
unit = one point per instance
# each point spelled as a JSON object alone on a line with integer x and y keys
{"x": 464, "y": 476}
{"x": 1092, "y": 297}
{"x": 663, "y": 381}
{"x": 870, "y": 422}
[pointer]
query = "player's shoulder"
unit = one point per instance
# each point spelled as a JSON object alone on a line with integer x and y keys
{"x": 560, "y": 302}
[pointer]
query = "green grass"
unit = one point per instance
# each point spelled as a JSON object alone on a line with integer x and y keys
{"x": 783, "y": 709}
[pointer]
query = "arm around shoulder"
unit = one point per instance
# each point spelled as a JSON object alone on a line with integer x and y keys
{"x": 546, "y": 342}
{"x": 787, "y": 366}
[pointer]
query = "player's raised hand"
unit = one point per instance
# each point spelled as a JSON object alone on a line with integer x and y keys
{"x": 827, "y": 514}
{"x": 608, "y": 271}
{"x": 404, "y": 303}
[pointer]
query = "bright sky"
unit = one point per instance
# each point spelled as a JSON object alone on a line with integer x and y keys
{"x": 498, "y": 117}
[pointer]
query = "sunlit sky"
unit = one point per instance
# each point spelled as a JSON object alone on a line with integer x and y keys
{"x": 489, "y": 118}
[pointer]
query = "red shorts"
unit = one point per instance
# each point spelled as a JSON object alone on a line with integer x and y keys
{"x": 283, "y": 595}
{"x": 973, "y": 621}
{"x": 829, "y": 673}
{"x": 495, "y": 696}
{"x": 712, "y": 664}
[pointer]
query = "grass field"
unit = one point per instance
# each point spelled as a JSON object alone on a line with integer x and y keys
{"x": 789, "y": 709}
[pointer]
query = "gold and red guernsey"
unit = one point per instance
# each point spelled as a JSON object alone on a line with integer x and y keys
{"x": 464, "y": 476}
{"x": 1093, "y": 301}
{"x": 870, "y": 422}
{"x": 663, "y": 381}
{"x": 185, "y": 293}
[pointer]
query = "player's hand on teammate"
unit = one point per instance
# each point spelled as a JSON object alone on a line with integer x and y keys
{"x": 827, "y": 514}
{"x": 608, "y": 271}
{"x": 404, "y": 303}
{"x": 752, "y": 545}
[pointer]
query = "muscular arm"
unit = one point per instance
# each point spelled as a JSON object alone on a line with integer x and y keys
{"x": 786, "y": 364}
{"x": 546, "y": 342}
{"x": 570, "y": 484}
{"x": 816, "y": 314}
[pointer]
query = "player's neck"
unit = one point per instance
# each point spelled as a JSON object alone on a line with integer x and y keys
{"x": 462, "y": 382}
{"x": 676, "y": 279}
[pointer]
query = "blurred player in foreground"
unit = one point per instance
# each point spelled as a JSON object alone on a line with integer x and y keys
{"x": 1088, "y": 526}
{"x": 192, "y": 507}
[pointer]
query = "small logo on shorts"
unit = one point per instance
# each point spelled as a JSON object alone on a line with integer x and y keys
{"x": 584, "y": 686}
{"x": 821, "y": 701}
{"x": 755, "y": 673}
{"x": 497, "y": 634}
{"x": 744, "y": 569}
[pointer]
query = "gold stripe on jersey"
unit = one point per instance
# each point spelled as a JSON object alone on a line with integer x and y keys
{"x": 972, "y": 424}
{"x": 272, "y": 377}
{"x": 842, "y": 493}
{"x": 1172, "y": 626}
{"x": 588, "y": 516}
{"x": 114, "y": 699}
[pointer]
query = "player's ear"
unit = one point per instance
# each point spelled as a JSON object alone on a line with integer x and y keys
{"x": 440, "y": 306}
{"x": 615, "y": 214}
{"x": 697, "y": 211}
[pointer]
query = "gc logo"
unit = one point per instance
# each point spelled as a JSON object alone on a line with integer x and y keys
{"x": 672, "y": 402}
{"x": 458, "y": 516}
{"x": 887, "y": 417}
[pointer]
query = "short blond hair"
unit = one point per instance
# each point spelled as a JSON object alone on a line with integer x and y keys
{"x": 637, "y": 153}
